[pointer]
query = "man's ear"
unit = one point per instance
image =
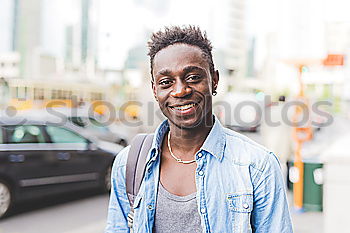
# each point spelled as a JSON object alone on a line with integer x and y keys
{"x": 154, "y": 90}
{"x": 215, "y": 80}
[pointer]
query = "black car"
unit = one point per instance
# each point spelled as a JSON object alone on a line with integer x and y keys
{"x": 82, "y": 117}
{"x": 39, "y": 158}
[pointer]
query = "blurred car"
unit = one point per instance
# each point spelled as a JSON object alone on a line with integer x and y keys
{"x": 239, "y": 111}
{"x": 82, "y": 117}
{"x": 39, "y": 158}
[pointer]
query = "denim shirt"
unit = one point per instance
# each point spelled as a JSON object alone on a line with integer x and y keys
{"x": 239, "y": 187}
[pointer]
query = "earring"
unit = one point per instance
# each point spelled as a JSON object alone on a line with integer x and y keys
{"x": 214, "y": 93}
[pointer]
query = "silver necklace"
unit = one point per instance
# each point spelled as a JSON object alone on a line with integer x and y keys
{"x": 177, "y": 159}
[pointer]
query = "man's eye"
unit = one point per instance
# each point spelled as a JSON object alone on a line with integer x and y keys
{"x": 193, "y": 77}
{"x": 165, "y": 82}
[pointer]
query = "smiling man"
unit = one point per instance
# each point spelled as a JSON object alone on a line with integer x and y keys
{"x": 200, "y": 177}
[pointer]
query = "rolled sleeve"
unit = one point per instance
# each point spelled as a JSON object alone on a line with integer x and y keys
{"x": 270, "y": 212}
{"x": 119, "y": 207}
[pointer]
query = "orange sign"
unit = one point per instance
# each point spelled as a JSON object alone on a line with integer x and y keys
{"x": 334, "y": 60}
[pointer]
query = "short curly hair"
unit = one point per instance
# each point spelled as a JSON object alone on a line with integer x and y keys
{"x": 190, "y": 35}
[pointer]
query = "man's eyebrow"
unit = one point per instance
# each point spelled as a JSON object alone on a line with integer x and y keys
{"x": 164, "y": 72}
{"x": 189, "y": 69}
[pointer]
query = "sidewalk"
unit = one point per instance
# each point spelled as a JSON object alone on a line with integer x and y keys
{"x": 307, "y": 222}
{"x": 312, "y": 222}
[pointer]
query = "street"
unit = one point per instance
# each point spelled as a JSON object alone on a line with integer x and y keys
{"x": 83, "y": 212}
{"x": 80, "y": 79}
{"x": 86, "y": 212}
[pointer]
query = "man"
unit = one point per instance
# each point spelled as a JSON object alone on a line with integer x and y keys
{"x": 200, "y": 177}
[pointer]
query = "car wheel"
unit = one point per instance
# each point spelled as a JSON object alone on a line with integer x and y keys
{"x": 5, "y": 198}
{"x": 107, "y": 183}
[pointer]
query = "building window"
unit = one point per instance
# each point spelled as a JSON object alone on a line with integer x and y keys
{"x": 38, "y": 93}
{"x": 54, "y": 94}
{"x": 96, "y": 96}
{"x": 21, "y": 93}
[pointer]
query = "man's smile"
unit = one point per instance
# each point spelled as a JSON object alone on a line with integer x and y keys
{"x": 185, "y": 108}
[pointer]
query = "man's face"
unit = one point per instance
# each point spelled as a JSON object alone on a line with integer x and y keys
{"x": 183, "y": 85}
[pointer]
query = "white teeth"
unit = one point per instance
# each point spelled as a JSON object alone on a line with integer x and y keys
{"x": 184, "y": 107}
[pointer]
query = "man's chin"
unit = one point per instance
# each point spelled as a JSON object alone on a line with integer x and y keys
{"x": 187, "y": 123}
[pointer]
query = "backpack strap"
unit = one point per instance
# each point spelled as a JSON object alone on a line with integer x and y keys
{"x": 135, "y": 169}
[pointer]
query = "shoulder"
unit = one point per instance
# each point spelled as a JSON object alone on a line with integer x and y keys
{"x": 244, "y": 151}
{"x": 121, "y": 158}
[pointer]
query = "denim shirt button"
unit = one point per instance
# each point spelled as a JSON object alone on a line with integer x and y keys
{"x": 203, "y": 210}
{"x": 245, "y": 206}
{"x": 200, "y": 155}
{"x": 201, "y": 173}
{"x": 150, "y": 207}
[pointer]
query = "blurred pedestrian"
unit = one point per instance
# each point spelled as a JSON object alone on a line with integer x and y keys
{"x": 277, "y": 133}
{"x": 4, "y": 93}
{"x": 199, "y": 176}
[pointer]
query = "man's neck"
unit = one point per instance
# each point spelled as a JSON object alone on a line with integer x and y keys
{"x": 186, "y": 142}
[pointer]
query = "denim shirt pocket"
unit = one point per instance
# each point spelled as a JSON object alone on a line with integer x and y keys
{"x": 240, "y": 206}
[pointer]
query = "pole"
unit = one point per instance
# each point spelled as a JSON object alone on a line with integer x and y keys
{"x": 300, "y": 135}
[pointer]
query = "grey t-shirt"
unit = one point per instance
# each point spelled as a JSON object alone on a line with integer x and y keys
{"x": 176, "y": 213}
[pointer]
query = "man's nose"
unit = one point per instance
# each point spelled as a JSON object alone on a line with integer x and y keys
{"x": 180, "y": 90}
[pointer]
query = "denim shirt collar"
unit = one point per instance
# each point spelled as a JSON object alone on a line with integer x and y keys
{"x": 216, "y": 140}
{"x": 214, "y": 144}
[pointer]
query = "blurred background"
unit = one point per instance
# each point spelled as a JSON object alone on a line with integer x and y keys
{"x": 75, "y": 89}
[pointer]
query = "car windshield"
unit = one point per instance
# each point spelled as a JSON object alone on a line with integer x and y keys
{"x": 90, "y": 123}
{"x": 61, "y": 135}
